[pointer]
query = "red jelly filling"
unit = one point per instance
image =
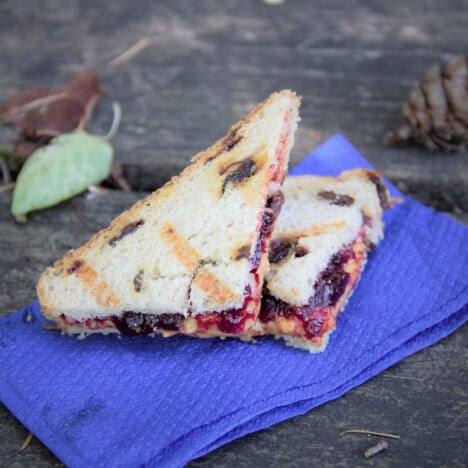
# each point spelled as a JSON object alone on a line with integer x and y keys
{"x": 272, "y": 209}
{"x": 135, "y": 323}
{"x": 318, "y": 316}
{"x": 229, "y": 322}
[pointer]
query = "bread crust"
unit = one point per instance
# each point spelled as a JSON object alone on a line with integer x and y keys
{"x": 172, "y": 251}
{"x": 322, "y": 217}
{"x": 321, "y": 226}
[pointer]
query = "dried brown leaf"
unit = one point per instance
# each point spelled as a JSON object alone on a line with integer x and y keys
{"x": 41, "y": 114}
{"x": 13, "y": 106}
{"x": 23, "y": 147}
{"x": 83, "y": 87}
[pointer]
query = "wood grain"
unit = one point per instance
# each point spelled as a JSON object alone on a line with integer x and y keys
{"x": 207, "y": 64}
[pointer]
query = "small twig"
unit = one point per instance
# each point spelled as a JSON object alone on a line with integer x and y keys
{"x": 26, "y": 442}
{"x": 35, "y": 104}
{"x": 118, "y": 176}
{"x": 5, "y": 171}
{"x": 129, "y": 53}
{"x": 365, "y": 431}
{"x": 88, "y": 110}
{"x": 50, "y": 326}
{"x": 7, "y": 187}
{"x": 115, "y": 121}
{"x": 375, "y": 449}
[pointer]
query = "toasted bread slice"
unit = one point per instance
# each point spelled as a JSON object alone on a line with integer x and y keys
{"x": 191, "y": 257}
{"x": 318, "y": 251}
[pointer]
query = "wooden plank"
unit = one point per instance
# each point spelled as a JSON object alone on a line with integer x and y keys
{"x": 27, "y": 249}
{"x": 207, "y": 66}
{"x": 209, "y": 63}
{"x": 391, "y": 402}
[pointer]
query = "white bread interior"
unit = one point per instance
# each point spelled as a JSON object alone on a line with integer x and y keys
{"x": 180, "y": 255}
{"x": 322, "y": 228}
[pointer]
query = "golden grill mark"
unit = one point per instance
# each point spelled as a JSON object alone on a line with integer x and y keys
{"x": 209, "y": 283}
{"x": 89, "y": 277}
{"x": 317, "y": 230}
{"x": 205, "y": 280}
{"x": 181, "y": 249}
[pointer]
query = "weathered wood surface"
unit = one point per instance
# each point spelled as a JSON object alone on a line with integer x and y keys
{"x": 208, "y": 63}
{"x": 412, "y": 399}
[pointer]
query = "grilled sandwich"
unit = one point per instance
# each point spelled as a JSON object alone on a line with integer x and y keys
{"x": 318, "y": 251}
{"x": 191, "y": 257}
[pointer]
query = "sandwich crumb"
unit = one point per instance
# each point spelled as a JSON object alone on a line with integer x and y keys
{"x": 375, "y": 449}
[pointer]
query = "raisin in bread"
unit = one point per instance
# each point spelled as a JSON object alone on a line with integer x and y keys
{"x": 319, "y": 248}
{"x": 191, "y": 257}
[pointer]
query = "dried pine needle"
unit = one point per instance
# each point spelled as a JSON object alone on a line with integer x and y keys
{"x": 17, "y": 111}
{"x": 117, "y": 174}
{"x": 50, "y": 326}
{"x": 129, "y": 53}
{"x": 88, "y": 111}
{"x": 26, "y": 442}
{"x": 365, "y": 431}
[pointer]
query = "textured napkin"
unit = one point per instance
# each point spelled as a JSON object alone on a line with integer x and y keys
{"x": 105, "y": 401}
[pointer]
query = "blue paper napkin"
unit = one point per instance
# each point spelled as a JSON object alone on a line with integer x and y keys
{"x": 105, "y": 401}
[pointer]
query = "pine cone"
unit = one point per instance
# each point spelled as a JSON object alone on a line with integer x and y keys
{"x": 436, "y": 112}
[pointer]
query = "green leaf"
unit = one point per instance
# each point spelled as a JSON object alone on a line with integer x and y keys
{"x": 67, "y": 166}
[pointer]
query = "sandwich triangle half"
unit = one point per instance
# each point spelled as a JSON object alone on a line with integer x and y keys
{"x": 191, "y": 257}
